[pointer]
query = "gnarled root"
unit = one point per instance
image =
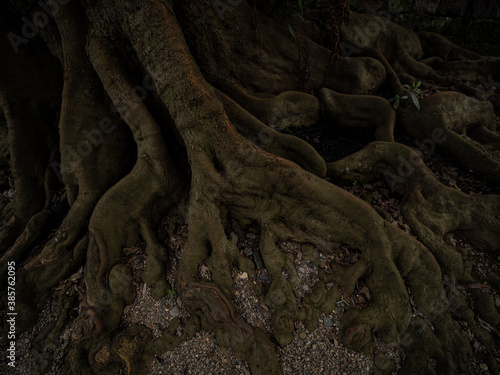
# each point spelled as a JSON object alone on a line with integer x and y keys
{"x": 433, "y": 211}
{"x": 284, "y": 111}
{"x": 443, "y": 121}
{"x": 360, "y": 110}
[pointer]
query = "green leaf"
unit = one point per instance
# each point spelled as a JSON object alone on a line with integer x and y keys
{"x": 301, "y": 6}
{"x": 415, "y": 101}
{"x": 291, "y": 30}
{"x": 347, "y": 303}
{"x": 418, "y": 84}
{"x": 456, "y": 187}
{"x": 404, "y": 97}
{"x": 396, "y": 103}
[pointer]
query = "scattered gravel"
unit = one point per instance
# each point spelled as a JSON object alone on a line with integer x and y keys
{"x": 31, "y": 360}
{"x": 155, "y": 314}
{"x": 310, "y": 352}
{"x": 200, "y": 355}
{"x": 247, "y": 304}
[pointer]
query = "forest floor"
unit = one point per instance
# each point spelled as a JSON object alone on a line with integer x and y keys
{"x": 309, "y": 352}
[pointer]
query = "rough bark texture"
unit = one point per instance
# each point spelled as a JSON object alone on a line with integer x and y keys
{"x": 198, "y": 99}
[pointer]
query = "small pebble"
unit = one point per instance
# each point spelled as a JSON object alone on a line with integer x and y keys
{"x": 248, "y": 251}
{"x": 244, "y": 276}
{"x": 483, "y": 366}
{"x": 327, "y": 321}
{"x": 175, "y": 312}
{"x": 302, "y": 335}
{"x": 263, "y": 278}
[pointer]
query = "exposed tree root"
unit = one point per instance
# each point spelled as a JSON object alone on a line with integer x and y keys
{"x": 443, "y": 121}
{"x": 268, "y": 139}
{"x": 237, "y": 168}
{"x": 30, "y": 159}
{"x": 433, "y": 211}
{"x": 400, "y": 46}
{"x": 424, "y": 56}
{"x": 286, "y": 110}
{"x": 360, "y": 110}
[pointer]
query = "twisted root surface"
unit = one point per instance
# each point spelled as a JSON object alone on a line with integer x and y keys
{"x": 205, "y": 140}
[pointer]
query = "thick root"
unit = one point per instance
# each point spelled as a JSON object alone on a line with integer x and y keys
{"x": 443, "y": 119}
{"x": 360, "y": 111}
{"x": 268, "y": 139}
{"x": 432, "y": 211}
{"x": 287, "y": 110}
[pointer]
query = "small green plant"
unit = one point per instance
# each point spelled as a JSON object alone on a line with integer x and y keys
{"x": 347, "y": 303}
{"x": 412, "y": 91}
{"x": 171, "y": 293}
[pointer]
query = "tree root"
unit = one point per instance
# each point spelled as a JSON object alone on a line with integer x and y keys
{"x": 441, "y": 121}
{"x": 400, "y": 46}
{"x": 287, "y": 110}
{"x": 432, "y": 211}
{"x": 431, "y": 216}
{"x": 404, "y": 49}
{"x": 266, "y": 138}
{"x": 360, "y": 110}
